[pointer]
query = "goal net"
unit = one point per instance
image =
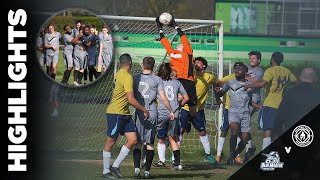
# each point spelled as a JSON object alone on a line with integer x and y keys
{"x": 82, "y": 122}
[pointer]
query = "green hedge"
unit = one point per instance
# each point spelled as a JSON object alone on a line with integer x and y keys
{"x": 60, "y": 21}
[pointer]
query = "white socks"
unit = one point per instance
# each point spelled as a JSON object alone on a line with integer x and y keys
{"x": 238, "y": 140}
{"x": 206, "y": 143}
{"x": 249, "y": 145}
{"x": 266, "y": 142}
{"x": 106, "y": 161}
{"x": 220, "y": 145}
{"x": 137, "y": 170}
{"x": 122, "y": 155}
{"x": 162, "y": 152}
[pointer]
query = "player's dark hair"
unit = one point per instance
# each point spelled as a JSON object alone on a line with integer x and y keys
{"x": 240, "y": 64}
{"x": 65, "y": 27}
{"x": 204, "y": 61}
{"x": 105, "y": 27}
{"x": 87, "y": 26}
{"x": 165, "y": 71}
{"x": 148, "y": 63}
{"x": 80, "y": 21}
{"x": 277, "y": 57}
{"x": 42, "y": 31}
{"x": 92, "y": 26}
{"x": 257, "y": 53}
{"x": 125, "y": 59}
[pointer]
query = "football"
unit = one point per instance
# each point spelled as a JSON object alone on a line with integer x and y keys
{"x": 165, "y": 18}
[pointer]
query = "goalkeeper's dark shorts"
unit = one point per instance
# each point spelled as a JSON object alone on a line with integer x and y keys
{"x": 199, "y": 122}
{"x": 190, "y": 88}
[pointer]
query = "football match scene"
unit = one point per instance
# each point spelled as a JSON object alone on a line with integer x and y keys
{"x": 190, "y": 90}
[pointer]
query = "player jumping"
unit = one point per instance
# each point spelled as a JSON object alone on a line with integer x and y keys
{"x": 182, "y": 61}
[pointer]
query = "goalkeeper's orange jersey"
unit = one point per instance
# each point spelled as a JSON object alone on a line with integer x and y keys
{"x": 182, "y": 62}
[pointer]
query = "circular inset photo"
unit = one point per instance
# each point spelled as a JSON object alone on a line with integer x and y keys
{"x": 75, "y": 47}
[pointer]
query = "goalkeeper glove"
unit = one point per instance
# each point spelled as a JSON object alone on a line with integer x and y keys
{"x": 159, "y": 25}
{"x": 173, "y": 23}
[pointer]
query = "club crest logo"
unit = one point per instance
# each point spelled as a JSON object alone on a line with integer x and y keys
{"x": 302, "y": 136}
{"x": 272, "y": 162}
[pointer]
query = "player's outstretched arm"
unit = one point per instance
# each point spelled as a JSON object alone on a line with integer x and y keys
{"x": 164, "y": 41}
{"x": 166, "y": 103}
{"x": 221, "y": 91}
{"x": 259, "y": 84}
{"x": 186, "y": 45}
{"x": 251, "y": 79}
{"x": 136, "y": 104}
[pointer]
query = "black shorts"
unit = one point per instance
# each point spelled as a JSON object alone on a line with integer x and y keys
{"x": 190, "y": 87}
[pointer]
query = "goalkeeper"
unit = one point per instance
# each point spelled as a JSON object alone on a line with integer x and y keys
{"x": 182, "y": 62}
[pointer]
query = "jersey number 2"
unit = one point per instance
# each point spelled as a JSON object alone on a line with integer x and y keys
{"x": 145, "y": 89}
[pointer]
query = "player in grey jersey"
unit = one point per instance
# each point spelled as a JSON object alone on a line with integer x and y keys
{"x": 80, "y": 53}
{"x": 105, "y": 50}
{"x": 146, "y": 87}
{"x": 51, "y": 44}
{"x": 169, "y": 128}
{"x": 93, "y": 53}
{"x": 79, "y": 26}
{"x": 40, "y": 47}
{"x": 255, "y": 74}
{"x": 68, "y": 41}
{"x": 239, "y": 110}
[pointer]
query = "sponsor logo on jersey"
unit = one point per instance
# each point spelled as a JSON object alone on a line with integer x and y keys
{"x": 175, "y": 55}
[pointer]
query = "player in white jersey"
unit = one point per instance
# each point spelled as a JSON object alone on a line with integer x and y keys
{"x": 169, "y": 128}
{"x": 146, "y": 88}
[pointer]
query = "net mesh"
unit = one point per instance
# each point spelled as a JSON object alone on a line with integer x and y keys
{"x": 81, "y": 125}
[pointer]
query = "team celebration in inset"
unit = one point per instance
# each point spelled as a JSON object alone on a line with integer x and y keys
{"x": 75, "y": 44}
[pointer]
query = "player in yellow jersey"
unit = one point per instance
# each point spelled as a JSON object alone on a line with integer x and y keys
{"x": 274, "y": 79}
{"x": 119, "y": 119}
{"x": 203, "y": 81}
